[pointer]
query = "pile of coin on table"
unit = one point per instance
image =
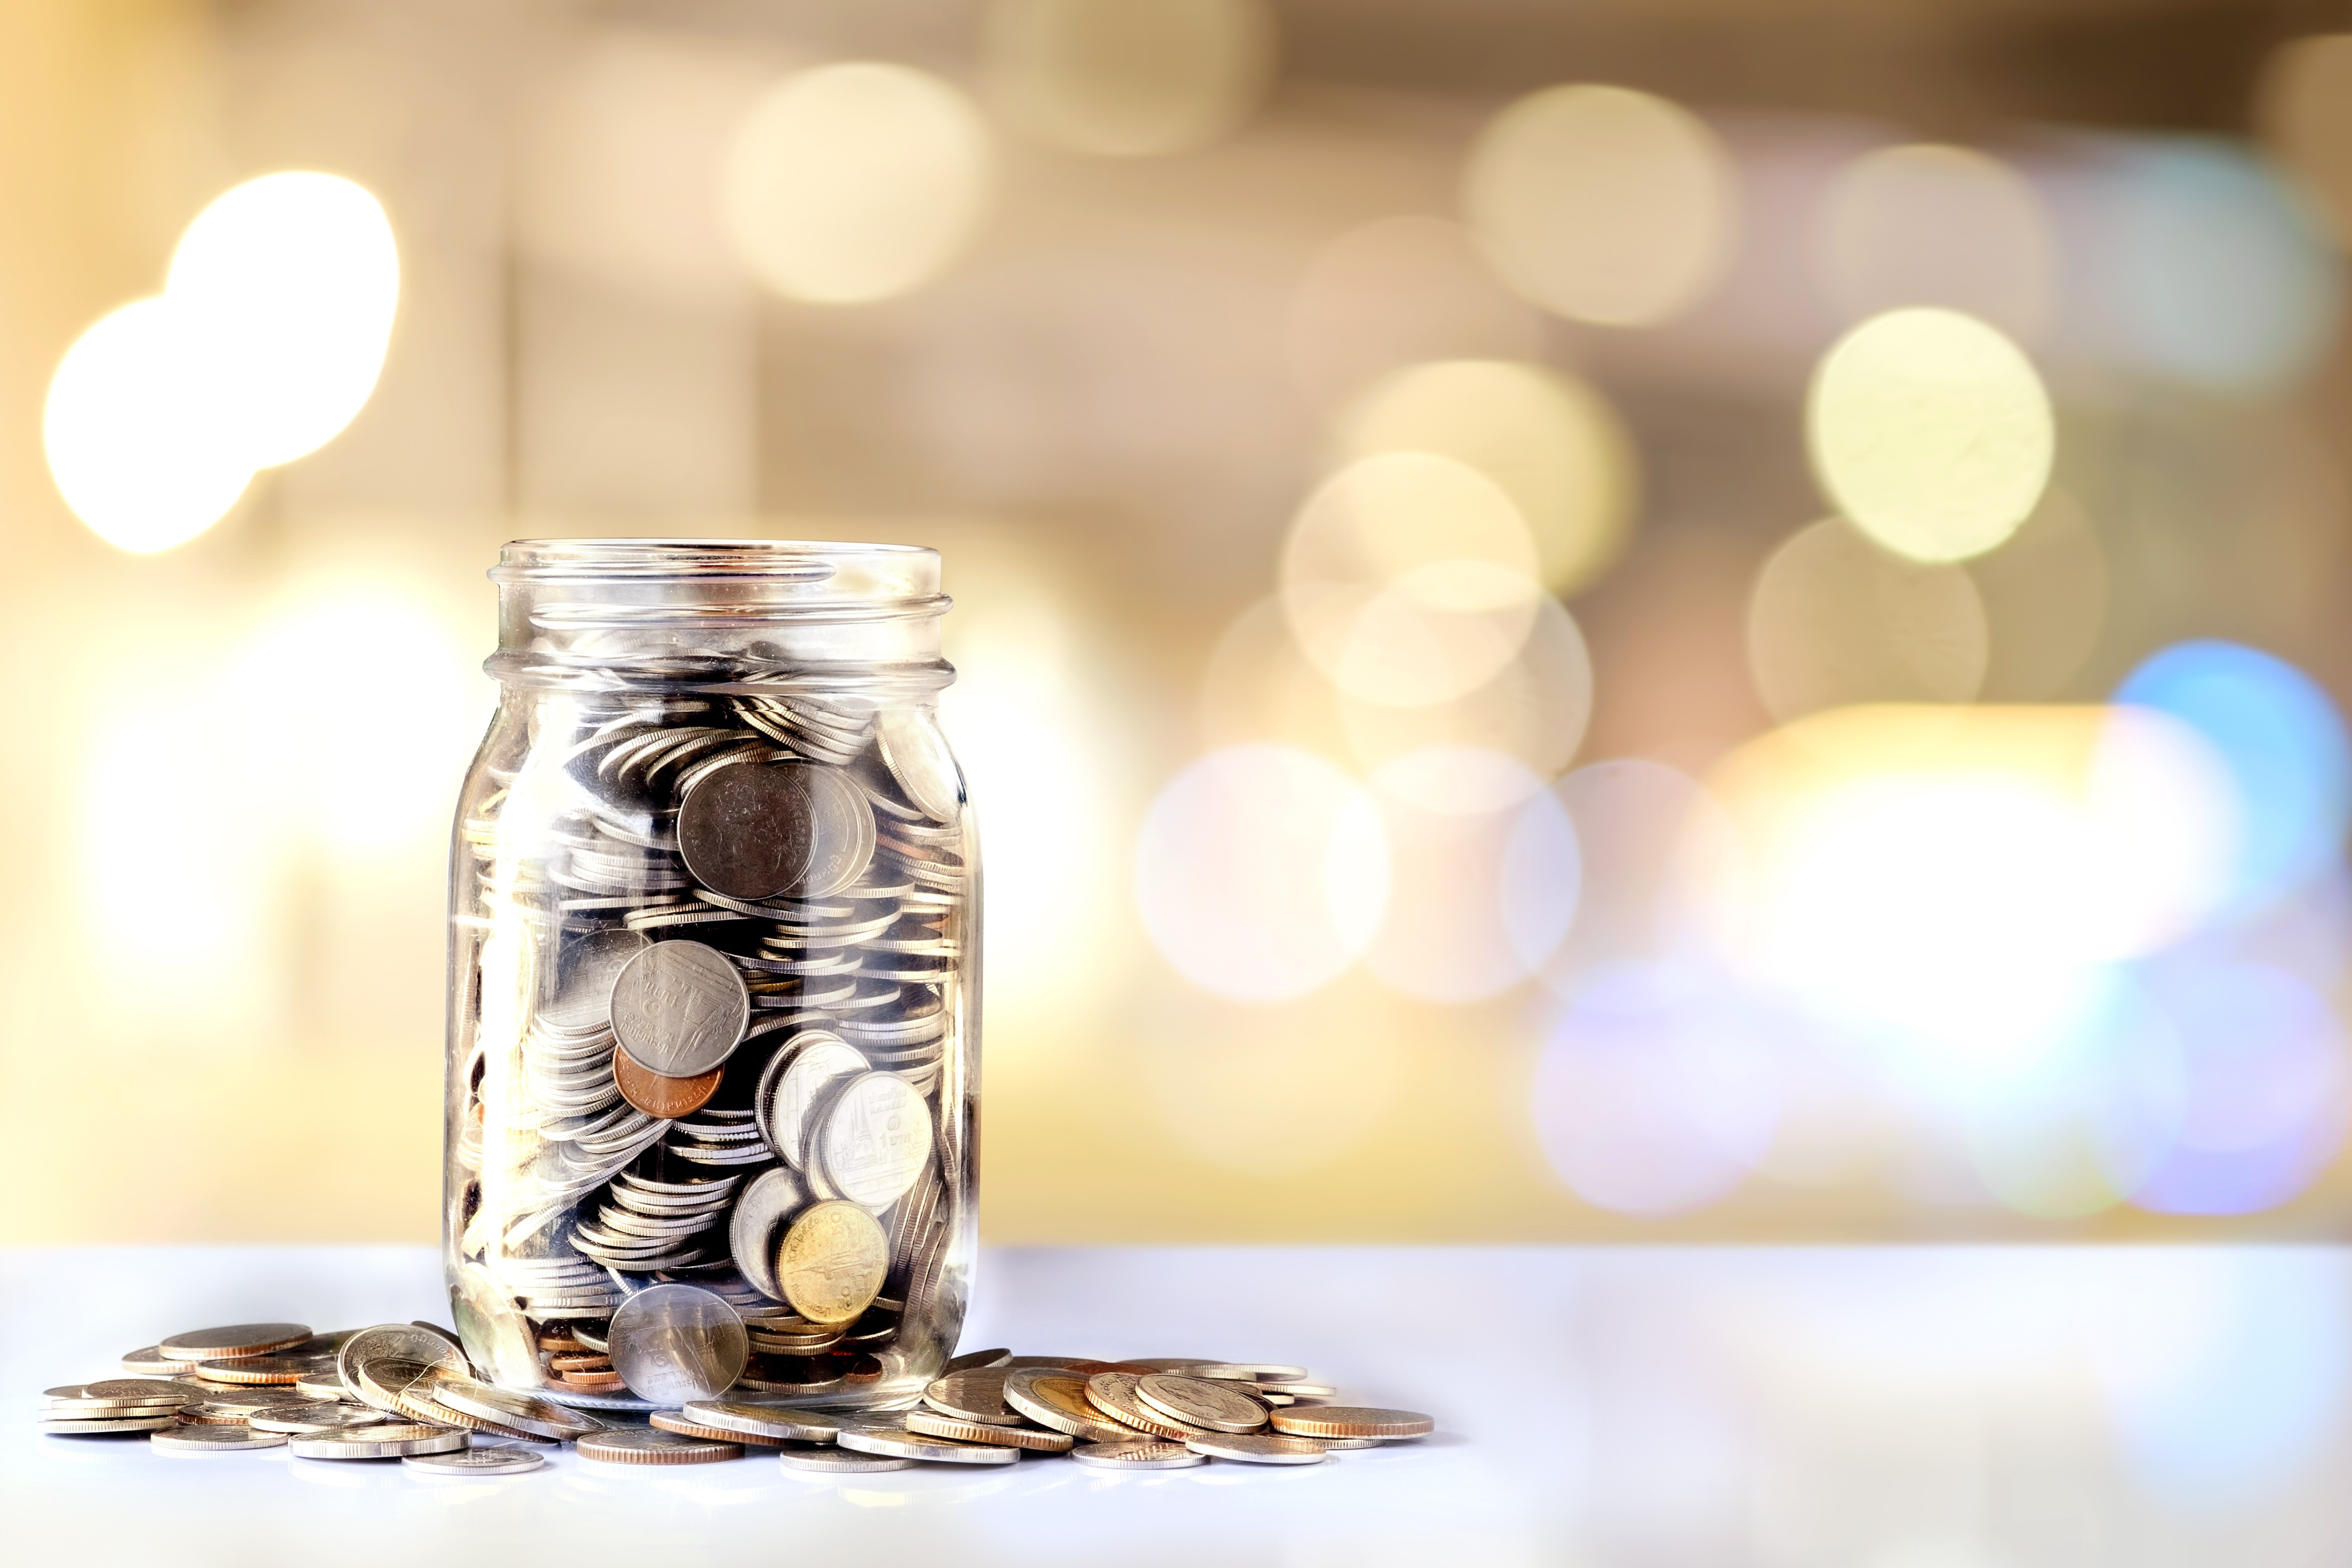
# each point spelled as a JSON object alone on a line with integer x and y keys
{"x": 406, "y": 1391}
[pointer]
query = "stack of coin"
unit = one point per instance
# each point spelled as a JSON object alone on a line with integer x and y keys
{"x": 715, "y": 944}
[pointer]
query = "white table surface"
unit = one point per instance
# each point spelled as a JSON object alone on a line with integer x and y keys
{"x": 1877, "y": 1408}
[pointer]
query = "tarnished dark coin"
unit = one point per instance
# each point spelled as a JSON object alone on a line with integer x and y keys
{"x": 680, "y": 1008}
{"x": 974, "y": 1361}
{"x": 747, "y": 829}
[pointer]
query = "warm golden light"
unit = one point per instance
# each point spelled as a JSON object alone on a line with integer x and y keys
{"x": 2305, "y": 109}
{"x": 1129, "y": 78}
{"x": 290, "y": 283}
{"x": 1549, "y": 440}
{"x": 1401, "y": 291}
{"x": 1603, "y": 204}
{"x": 139, "y": 445}
{"x": 1835, "y": 620}
{"x": 855, "y": 182}
{"x": 1932, "y": 432}
{"x": 1929, "y": 225}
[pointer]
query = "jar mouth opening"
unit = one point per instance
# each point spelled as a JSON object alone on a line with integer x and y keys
{"x": 856, "y": 570}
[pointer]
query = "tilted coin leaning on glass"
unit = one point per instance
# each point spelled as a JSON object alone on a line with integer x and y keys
{"x": 714, "y": 1027}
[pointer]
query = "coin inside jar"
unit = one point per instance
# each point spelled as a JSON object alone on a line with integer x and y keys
{"x": 675, "y": 1343}
{"x": 832, "y": 1263}
{"x": 680, "y": 1008}
{"x": 746, "y": 829}
{"x": 655, "y": 1095}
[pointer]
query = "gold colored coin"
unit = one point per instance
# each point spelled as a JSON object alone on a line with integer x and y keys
{"x": 931, "y": 1423}
{"x": 1198, "y": 1401}
{"x": 1351, "y": 1421}
{"x": 1113, "y": 1393}
{"x": 670, "y": 1421}
{"x": 644, "y": 1446}
{"x": 1058, "y": 1400}
{"x": 832, "y": 1262}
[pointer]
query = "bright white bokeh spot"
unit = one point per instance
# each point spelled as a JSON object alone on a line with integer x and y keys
{"x": 1262, "y": 872}
{"x": 1603, "y": 204}
{"x": 290, "y": 281}
{"x": 137, "y": 441}
{"x": 1931, "y": 432}
{"x": 1485, "y": 870}
{"x": 854, "y": 182}
{"x": 1128, "y": 78}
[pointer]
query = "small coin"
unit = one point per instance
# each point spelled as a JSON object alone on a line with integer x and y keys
{"x": 1199, "y": 1401}
{"x": 524, "y": 1413}
{"x": 103, "y": 1409}
{"x": 832, "y": 1263}
{"x": 311, "y": 1417}
{"x": 212, "y": 1413}
{"x": 1258, "y": 1448}
{"x": 474, "y": 1462}
{"x": 931, "y": 1423}
{"x": 874, "y": 1141}
{"x": 1058, "y": 1400}
{"x": 761, "y": 1213}
{"x": 103, "y": 1425}
{"x": 149, "y": 1360}
{"x": 583, "y": 996}
{"x": 680, "y": 1008}
{"x": 876, "y": 1436}
{"x": 1113, "y": 1393}
{"x": 918, "y": 757}
{"x": 1139, "y": 1454}
{"x": 321, "y": 1385}
{"x": 667, "y": 1097}
{"x": 121, "y": 1391}
{"x": 669, "y": 1421}
{"x": 236, "y": 1404}
{"x": 835, "y": 1461}
{"x": 1351, "y": 1421}
{"x": 235, "y": 1340}
{"x": 394, "y": 1440}
{"x": 377, "y": 1363}
{"x": 265, "y": 1369}
{"x": 1249, "y": 1372}
{"x": 816, "y": 1062}
{"x": 214, "y": 1439}
{"x": 649, "y": 1446}
{"x": 975, "y": 1361}
{"x": 675, "y": 1343}
{"x": 973, "y": 1396}
{"x": 764, "y": 1420}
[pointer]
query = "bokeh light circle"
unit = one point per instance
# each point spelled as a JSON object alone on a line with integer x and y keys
{"x": 1929, "y": 224}
{"x": 1551, "y": 442}
{"x": 1262, "y": 872}
{"x": 1602, "y": 203}
{"x": 1128, "y": 78}
{"x": 140, "y": 446}
{"x": 1834, "y": 620}
{"x": 290, "y": 283}
{"x": 1651, "y": 836}
{"x": 854, "y": 182}
{"x": 1931, "y": 432}
{"x": 1535, "y": 708}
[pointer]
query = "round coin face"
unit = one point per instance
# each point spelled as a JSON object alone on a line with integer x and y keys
{"x": 900, "y": 1443}
{"x": 149, "y": 1359}
{"x": 107, "y": 1426}
{"x": 214, "y": 1439}
{"x": 583, "y": 995}
{"x": 832, "y": 1264}
{"x": 265, "y": 1369}
{"x": 746, "y": 829}
{"x": 473, "y": 1462}
{"x": 651, "y": 1445}
{"x": 675, "y": 1343}
{"x": 311, "y": 1417}
{"x": 235, "y": 1340}
{"x": 1199, "y": 1401}
{"x": 874, "y": 1139}
{"x": 1058, "y": 1400}
{"x": 667, "y": 1098}
{"x": 1140, "y": 1455}
{"x": 918, "y": 757}
{"x": 760, "y": 1211}
{"x": 819, "y": 1063}
{"x": 394, "y": 1440}
{"x": 1258, "y": 1448}
{"x": 402, "y": 1352}
{"x": 680, "y": 1008}
{"x": 1351, "y": 1421}
{"x": 931, "y": 1423}
{"x": 122, "y": 1391}
{"x": 840, "y": 1462}
{"x": 1113, "y": 1392}
{"x": 523, "y": 1412}
{"x": 763, "y": 1420}
{"x": 974, "y": 1397}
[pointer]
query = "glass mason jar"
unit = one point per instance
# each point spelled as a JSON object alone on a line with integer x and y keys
{"x": 714, "y": 995}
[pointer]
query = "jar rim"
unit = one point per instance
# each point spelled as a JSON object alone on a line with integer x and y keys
{"x": 781, "y": 562}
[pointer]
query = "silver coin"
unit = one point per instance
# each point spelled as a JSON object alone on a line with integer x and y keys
{"x": 403, "y": 1350}
{"x": 237, "y": 1340}
{"x": 842, "y": 835}
{"x": 491, "y": 1461}
{"x": 977, "y": 1396}
{"x": 1247, "y": 1372}
{"x": 388, "y": 1442}
{"x": 898, "y": 1443}
{"x": 311, "y": 1416}
{"x": 977, "y": 1360}
{"x": 680, "y": 1008}
{"x": 675, "y": 1343}
{"x": 873, "y": 1140}
{"x": 494, "y": 1335}
{"x": 757, "y": 1223}
{"x": 507, "y": 1408}
{"x": 748, "y": 829}
{"x": 1258, "y": 1448}
{"x": 763, "y": 1420}
{"x": 107, "y": 1426}
{"x": 214, "y": 1439}
{"x": 836, "y": 1461}
{"x": 918, "y": 757}
{"x": 652, "y": 1446}
{"x": 1143, "y": 1454}
{"x": 821, "y": 1063}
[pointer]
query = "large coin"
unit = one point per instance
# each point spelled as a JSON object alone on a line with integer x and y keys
{"x": 873, "y": 1140}
{"x": 918, "y": 757}
{"x": 974, "y": 1397}
{"x": 651, "y": 1445}
{"x": 1351, "y": 1421}
{"x": 931, "y": 1423}
{"x": 474, "y": 1462}
{"x": 834, "y": 1462}
{"x": 101, "y": 1426}
{"x": 747, "y": 829}
{"x": 1113, "y": 1393}
{"x": 1198, "y": 1401}
{"x": 832, "y": 1263}
{"x": 671, "y": 1343}
{"x": 1058, "y": 1400}
{"x": 391, "y": 1442}
{"x": 583, "y": 996}
{"x": 524, "y": 1413}
{"x": 878, "y": 1436}
{"x": 115, "y": 1391}
{"x": 284, "y": 1370}
{"x": 844, "y": 835}
{"x": 820, "y": 1063}
{"x": 1139, "y": 1454}
{"x": 680, "y": 1008}
{"x": 214, "y": 1439}
{"x": 237, "y": 1340}
{"x": 666, "y": 1421}
{"x": 496, "y": 1337}
{"x": 309, "y": 1415}
{"x": 378, "y": 1364}
{"x": 760, "y": 1216}
{"x": 758, "y": 1420}
{"x": 1257, "y": 1449}
{"x": 666, "y": 1098}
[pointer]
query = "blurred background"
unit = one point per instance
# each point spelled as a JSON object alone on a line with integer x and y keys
{"x": 1693, "y": 619}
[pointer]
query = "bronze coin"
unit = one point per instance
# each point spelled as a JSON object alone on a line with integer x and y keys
{"x": 671, "y": 1421}
{"x": 666, "y": 1098}
{"x": 593, "y": 1382}
{"x": 581, "y": 1360}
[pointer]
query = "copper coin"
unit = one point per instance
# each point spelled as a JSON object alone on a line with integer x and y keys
{"x": 560, "y": 1342}
{"x": 644, "y": 1446}
{"x": 666, "y": 1098}
{"x": 1351, "y": 1421}
{"x": 669, "y": 1421}
{"x": 581, "y": 1360}
{"x": 593, "y": 1382}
